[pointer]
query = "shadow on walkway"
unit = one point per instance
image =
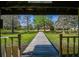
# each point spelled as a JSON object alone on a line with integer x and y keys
{"x": 42, "y": 51}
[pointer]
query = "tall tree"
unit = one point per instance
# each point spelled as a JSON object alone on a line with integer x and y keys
{"x": 42, "y": 21}
{"x": 66, "y": 22}
{"x": 26, "y": 17}
{"x": 37, "y": 22}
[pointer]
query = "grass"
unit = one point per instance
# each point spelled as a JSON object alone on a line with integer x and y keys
{"x": 16, "y": 30}
{"x": 26, "y": 38}
{"x": 55, "y": 39}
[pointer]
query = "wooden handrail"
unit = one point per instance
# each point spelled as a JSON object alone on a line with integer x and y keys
{"x": 12, "y": 37}
{"x": 70, "y": 36}
{"x": 9, "y": 37}
{"x": 74, "y": 40}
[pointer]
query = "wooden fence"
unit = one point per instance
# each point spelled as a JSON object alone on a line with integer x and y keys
{"x": 67, "y": 38}
{"x": 10, "y": 51}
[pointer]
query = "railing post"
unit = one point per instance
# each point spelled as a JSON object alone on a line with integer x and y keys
{"x": 19, "y": 44}
{"x": 5, "y": 40}
{"x": 67, "y": 46}
{"x": 0, "y": 35}
{"x": 73, "y": 46}
{"x": 12, "y": 45}
{"x": 78, "y": 46}
{"x": 0, "y": 44}
{"x": 78, "y": 31}
{"x": 60, "y": 44}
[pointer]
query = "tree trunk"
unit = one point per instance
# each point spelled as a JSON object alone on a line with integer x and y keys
{"x": 12, "y": 24}
{"x": 44, "y": 28}
{"x": 44, "y": 23}
{"x": 27, "y": 24}
{"x": 63, "y": 31}
{"x": 38, "y": 28}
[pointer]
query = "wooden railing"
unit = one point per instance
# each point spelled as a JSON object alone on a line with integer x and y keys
{"x": 74, "y": 40}
{"x": 18, "y": 37}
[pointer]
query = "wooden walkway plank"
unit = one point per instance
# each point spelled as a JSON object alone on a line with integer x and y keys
{"x": 40, "y": 46}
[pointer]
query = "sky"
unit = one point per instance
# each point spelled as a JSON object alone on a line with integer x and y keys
{"x": 54, "y": 18}
{"x": 23, "y": 22}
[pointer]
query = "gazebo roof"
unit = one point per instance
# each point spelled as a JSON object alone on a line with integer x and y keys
{"x": 54, "y": 7}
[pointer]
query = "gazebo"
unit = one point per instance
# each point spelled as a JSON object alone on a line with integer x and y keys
{"x": 37, "y": 8}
